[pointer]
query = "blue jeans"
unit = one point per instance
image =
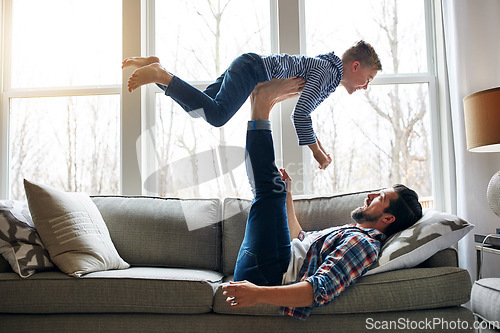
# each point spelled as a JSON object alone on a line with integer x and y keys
{"x": 220, "y": 101}
{"x": 265, "y": 251}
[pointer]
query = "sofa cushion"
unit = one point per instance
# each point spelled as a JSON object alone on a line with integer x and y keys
{"x": 486, "y": 299}
{"x": 133, "y": 290}
{"x": 20, "y": 244}
{"x": 434, "y": 232}
{"x": 406, "y": 289}
{"x": 72, "y": 230}
{"x": 161, "y": 232}
{"x": 314, "y": 213}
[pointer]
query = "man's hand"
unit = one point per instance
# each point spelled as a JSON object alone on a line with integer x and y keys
{"x": 241, "y": 294}
{"x": 244, "y": 294}
{"x": 320, "y": 155}
{"x": 287, "y": 179}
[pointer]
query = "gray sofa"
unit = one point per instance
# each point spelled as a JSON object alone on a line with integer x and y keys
{"x": 181, "y": 251}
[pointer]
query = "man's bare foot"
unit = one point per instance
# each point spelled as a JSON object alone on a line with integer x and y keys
{"x": 152, "y": 73}
{"x": 137, "y": 62}
{"x": 267, "y": 94}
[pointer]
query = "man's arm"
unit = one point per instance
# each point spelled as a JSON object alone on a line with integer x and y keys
{"x": 245, "y": 294}
{"x": 294, "y": 227}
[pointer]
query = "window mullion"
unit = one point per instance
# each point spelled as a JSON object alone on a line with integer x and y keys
{"x": 131, "y": 118}
{"x": 289, "y": 42}
{"x": 5, "y": 44}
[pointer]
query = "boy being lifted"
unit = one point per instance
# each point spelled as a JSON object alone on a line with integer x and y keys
{"x": 223, "y": 98}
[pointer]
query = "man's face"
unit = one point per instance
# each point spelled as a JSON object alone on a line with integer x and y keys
{"x": 375, "y": 204}
{"x": 358, "y": 77}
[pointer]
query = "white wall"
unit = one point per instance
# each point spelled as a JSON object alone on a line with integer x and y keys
{"x": 473, "y": 53}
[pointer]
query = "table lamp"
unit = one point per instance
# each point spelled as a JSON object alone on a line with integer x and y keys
{"x": 482, "y": 128}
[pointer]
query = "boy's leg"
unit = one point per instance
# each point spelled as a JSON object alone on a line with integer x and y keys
{"x": 224, "y": 97}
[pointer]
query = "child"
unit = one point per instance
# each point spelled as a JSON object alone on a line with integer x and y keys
{"x": 220, "y": 101}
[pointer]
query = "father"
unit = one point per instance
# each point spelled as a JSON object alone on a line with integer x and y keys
{"x": 278, "y": 262}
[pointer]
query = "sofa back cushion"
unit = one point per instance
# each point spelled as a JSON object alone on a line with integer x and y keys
{"x": 313, "y": 213}
{"x": 160, "y": 232}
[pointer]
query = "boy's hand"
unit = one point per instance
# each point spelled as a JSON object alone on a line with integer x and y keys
{"x": 320, "y": 155}
{"x": 323, "y": 159}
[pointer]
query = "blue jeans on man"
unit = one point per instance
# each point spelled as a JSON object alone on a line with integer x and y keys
{"x": 265, "y": 251}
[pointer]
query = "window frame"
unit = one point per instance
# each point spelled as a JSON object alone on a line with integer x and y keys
{"x": 138, "y": 38}
{"x": 7, "y": 93}
{"x": 430, "y": 78}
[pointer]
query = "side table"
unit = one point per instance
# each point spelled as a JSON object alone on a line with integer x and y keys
{"x": 491, "y": 245}
{"x": 485, "y": 294}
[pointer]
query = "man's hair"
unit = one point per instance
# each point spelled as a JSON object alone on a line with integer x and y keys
{"x": 364, "y": 53}
{"x": 406, "y": 209}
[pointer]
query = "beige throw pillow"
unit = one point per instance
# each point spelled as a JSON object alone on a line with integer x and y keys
{"x": 72, "y": 230}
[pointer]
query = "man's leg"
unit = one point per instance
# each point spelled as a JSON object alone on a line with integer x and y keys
{"x": 265, "y": 250}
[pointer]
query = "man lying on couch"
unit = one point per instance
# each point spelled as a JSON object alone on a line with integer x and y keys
{"x": 280, "y": 264}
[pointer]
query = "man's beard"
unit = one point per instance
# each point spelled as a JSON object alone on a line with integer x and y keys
{"x": 359, "y": 215}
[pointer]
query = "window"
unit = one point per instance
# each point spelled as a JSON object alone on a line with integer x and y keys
{"x": 62, "y": 83}
{"x": 380, "y": 136}
{"x": 193, "y": 158}
{"x": 61, "y": 90}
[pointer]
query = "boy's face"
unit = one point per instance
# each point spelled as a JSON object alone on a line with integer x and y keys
{"x": 357, "y": 77}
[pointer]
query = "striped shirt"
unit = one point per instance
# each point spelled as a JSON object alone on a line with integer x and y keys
{"x": 337, "y": 257}
{"x": 322, "y": 74}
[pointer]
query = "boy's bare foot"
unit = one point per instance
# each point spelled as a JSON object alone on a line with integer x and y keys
{"x": 152, "y": 73}
{"x": 137, "y": 62}
{"x": 267, "y": 94}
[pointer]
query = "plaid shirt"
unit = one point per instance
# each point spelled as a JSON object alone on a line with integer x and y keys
{"x": 337, "y": 257}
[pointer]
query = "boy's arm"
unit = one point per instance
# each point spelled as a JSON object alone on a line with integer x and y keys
{"x": 312, "y": 95}
{"x": 320, "y": 154}
{"x": 245, "y": 294}
{"x": 294, "y": 227}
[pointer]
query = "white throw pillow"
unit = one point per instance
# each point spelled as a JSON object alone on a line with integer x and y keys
{"x": 72, "y": 230}
{"x": 434, "y": 232}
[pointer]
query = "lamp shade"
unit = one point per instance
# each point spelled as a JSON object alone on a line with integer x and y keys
{"x": 482, "y": 120}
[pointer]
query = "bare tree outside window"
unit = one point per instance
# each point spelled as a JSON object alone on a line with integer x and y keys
{"x": 379, "y": 137}
{"x": 198, "y": 46}
{"x": 70, "y": 140}
{"x": 71, "y": 143}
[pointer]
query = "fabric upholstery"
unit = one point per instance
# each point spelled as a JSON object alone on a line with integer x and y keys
{"x": 173, "y": 233}
{"x": 415, "y": 289}
{"x": 72, "y": 230}
{"x": 485, "y": 299}
{"x": 146, "y": 290}
{"x": 20, "y": 244}
{"x": 434, "y": 232}
{"x": 152, "y": 323}
{"x": 151, "y": 231}
{"x": 446, "y": 257}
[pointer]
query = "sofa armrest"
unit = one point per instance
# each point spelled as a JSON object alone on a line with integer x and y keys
{"x": 444, "y": 258}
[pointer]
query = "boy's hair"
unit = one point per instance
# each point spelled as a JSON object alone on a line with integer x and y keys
{"x": 406, "y": 209}
{"x": 364, "y": 53}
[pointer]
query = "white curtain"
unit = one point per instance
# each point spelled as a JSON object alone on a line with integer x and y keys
{"x": 472, "y": 40}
